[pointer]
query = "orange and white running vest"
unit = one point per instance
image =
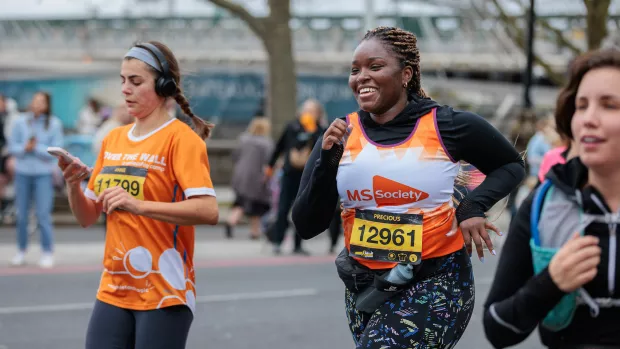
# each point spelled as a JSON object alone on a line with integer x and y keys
{"x": 397, "y": 199}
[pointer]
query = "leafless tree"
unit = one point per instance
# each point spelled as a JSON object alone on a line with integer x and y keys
{"x": 275, "y": 33}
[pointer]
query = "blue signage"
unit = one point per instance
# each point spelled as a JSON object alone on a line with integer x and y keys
{"x": 227, "y": 97}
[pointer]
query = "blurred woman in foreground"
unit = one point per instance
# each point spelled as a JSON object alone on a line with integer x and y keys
{"x": 558, "y": 268}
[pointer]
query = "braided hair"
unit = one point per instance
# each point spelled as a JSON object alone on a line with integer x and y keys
{"x": 200, "y": 126}
{"x": 405, "y": 45}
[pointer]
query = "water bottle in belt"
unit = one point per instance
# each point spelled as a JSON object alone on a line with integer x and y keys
{"x": 400, "y": 274}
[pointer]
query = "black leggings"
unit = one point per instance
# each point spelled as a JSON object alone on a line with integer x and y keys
{"x": 433, "y": 313}
{"x": 112, "y": 327}
{"x": 289, "y": 185}
{"x": 335, "y": 228}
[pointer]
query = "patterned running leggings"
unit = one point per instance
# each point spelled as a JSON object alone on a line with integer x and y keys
{"x": 433, "y": 313}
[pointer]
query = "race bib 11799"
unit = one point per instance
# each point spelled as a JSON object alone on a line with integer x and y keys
{"x": 127, "y": 177}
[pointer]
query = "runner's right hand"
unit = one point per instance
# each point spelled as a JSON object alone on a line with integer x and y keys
{"x": 575, "y": 264}
{"x": 337, "y": 133}
{"x": 73, "y": 172}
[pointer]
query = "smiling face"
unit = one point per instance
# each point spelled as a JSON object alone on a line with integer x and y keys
{"x": 377, "y": 78}
{"x": 138, "y": 87}
{"x": 596, "y": 122}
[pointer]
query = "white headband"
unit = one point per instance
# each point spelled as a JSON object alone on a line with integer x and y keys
{"x": 144, "y": 55}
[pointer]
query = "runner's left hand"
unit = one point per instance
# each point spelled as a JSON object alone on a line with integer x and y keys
{"x": 117, "y": 197}
{"x": 475, "y": 229}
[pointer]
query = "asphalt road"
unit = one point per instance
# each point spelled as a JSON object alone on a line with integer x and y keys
{"x": 297, "y": 303}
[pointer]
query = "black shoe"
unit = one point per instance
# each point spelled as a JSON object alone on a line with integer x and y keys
{"x": 229, "y": 231}
{"x": 277, "y": 250}
{"x": 301, "y": 251}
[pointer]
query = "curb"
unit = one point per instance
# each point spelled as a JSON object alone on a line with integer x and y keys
{"x": 64, "y": 218}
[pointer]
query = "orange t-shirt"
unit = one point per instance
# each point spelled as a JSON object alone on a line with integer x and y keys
{"x": 148, "y": 264}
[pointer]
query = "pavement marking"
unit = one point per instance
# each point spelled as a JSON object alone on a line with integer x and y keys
{"x": 198, "y": 264}
{"x": 484, "y": 281}
{"x": 50, "y": 308}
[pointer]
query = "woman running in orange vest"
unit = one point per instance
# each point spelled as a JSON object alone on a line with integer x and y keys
{"x": 393, "y": 164}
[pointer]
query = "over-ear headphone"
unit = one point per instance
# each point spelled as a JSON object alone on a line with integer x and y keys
{"x": 165, "y": 85}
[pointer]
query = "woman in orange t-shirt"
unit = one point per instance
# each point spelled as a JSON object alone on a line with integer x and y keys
{"x": 152, "y": 179}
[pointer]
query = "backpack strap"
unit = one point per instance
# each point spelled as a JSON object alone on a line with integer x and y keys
{"x": 536, "y": 210}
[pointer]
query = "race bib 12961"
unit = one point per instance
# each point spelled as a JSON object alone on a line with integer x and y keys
{"x": 387, "y": 237}
{"x": 127, "y": 177}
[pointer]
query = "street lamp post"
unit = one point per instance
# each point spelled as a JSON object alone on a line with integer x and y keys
{"x": 370, "y": 16}
{"x": 524, "y": 129}
{"x": 527, "y": 79}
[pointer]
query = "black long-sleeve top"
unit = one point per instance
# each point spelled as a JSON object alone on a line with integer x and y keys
{"x": 293, "y": 136}
{"x": 519, "y": 299}
{"x": 466, "y": 137}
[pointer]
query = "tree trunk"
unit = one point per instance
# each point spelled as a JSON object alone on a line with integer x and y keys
{"x": 596, "y": 31}
{"x": 275, "y": 33}
{"x": 518, "y": 36}
{"x": 596, "y": 21}
{"x": 282, "y": 76}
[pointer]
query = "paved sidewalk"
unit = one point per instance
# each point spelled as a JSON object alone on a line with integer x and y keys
{"x": 76, "y": 246}
{"x": 225, "y": 198}
{"x": 210, "y": 248}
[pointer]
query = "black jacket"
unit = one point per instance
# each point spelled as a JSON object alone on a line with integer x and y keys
{"x": 519, "y": 300}
{"x": 293, "y": 136}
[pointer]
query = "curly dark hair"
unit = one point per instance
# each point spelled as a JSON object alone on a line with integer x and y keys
{"x": 405, "y": 45}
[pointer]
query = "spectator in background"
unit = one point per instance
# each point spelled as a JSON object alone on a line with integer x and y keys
{"x": 563, "y": 150}
{"x": 537, "y": 147}
{"x": 6, "y": 161}
{"x": 253, "y": 195}
{"x": 335, "y": 229}
{"x": 4, "y": 114}
{"x": 32, "y": 133}
{"x": 90, "y": 118}
{"x": 120, "y": 117}
{"x": 12, "y": 112}
{"x": 295, "y": 144}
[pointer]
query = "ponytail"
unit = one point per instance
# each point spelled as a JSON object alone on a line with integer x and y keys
{"x": 202, "y": 127}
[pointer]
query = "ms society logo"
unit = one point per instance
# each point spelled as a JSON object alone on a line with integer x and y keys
{"x": 387, "y": 192}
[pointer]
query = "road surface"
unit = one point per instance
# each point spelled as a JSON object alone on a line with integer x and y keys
{"x": 245, "y": 300}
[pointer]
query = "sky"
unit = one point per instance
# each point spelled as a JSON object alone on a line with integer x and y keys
{"x": 50, "y": 9}
{"x": 80, "y": 8}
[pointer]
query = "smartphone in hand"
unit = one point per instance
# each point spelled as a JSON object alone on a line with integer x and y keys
{"x": 67, "y": 157}
{"x": 60, "y": 153}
